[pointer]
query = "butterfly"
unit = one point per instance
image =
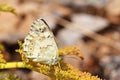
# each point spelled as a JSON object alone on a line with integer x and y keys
{"x": 40, "y": 45}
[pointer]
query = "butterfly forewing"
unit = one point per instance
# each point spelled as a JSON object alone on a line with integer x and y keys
{"x": 39, "y": 45}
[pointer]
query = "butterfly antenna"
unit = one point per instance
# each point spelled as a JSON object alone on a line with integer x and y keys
{"x": 75, "y": 57}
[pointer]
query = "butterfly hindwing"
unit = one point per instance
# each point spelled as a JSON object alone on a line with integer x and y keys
{"x": 39, "y": 44}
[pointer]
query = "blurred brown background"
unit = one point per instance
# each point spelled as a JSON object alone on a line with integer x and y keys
{"x": 91, "y": 25}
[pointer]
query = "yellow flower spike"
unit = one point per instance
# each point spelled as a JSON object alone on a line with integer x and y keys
{"x": 6, "y": 8}
{"x": 20, "y": 44}
{"x": 73, "y": 74}
{"x": 22, "y": 55}
{"x": 34, "y": 65}
{"x": 72, "y": 50}
{"x": 44, "y": 69}
{"x": 64, "y": 72}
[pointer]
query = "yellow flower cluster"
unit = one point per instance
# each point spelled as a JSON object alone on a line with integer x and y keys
{"x": 73, "y": 74}
{"x": 71, "y": 50}
{"x": 32, "y": 65}
{"x": 63, "y": 71}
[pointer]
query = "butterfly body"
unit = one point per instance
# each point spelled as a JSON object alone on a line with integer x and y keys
{"x": 39, "y": 44}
